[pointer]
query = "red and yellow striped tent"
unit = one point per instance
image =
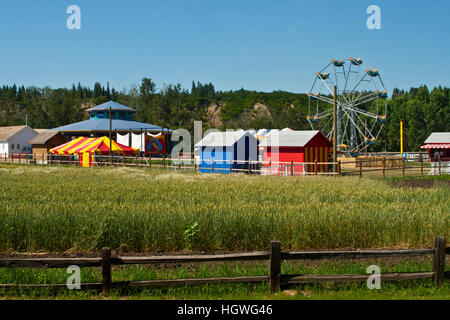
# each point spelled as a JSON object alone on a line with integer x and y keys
{"x": 88, "y": 147}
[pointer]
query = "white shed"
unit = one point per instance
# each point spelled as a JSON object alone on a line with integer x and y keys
{"x": 15, "y": 139}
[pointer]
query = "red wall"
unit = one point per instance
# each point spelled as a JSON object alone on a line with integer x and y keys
{"x": 284, "y": 154}
{"x": 316, "y": 148}
{"x": 319, "y": 140}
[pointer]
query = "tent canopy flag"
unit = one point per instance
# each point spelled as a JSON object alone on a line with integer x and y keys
{"x": 93, "y": 145}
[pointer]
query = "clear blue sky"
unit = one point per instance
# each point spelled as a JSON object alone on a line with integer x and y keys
{"x": 256, "y": 44}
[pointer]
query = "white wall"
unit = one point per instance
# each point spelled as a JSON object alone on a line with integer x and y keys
{"x": 4, "y": 147}
{"x": 22, "y": 138}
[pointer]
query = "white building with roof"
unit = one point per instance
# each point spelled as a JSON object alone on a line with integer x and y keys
{"x": 438, "y": 149}
{"x": 16, "y": 139}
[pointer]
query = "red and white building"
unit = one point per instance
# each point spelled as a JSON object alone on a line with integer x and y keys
{"x": 438, "y": 146}
{"x": 287, "y": 151}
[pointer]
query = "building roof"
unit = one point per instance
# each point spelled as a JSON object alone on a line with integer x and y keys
{"x": 111, "y": 104}
{"x": 41, "y": 130}
{"x": 288, "y": 138}
{"x": 223, "y": 139}
{"x": 43, "y": 137}
{"x": 438, "y": 137}
{"x": 103, "y": 125}
{"x": 7, "y": 132}
{"x": 436, "y": 146}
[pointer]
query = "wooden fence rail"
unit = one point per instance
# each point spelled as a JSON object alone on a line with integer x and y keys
{"x": 275, "y": 256}
{"x": 344, "y": 167}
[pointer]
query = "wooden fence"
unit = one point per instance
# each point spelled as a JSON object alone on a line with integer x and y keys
{"x": 361, "y": 166}
{"x": 382, "y": 165}
{"x": 275, "y": 278}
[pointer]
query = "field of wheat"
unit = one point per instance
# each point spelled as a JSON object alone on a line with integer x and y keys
{"x": 137, "y": 210}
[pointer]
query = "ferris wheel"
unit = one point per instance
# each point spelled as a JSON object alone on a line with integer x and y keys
{"x": 361, "y": 100}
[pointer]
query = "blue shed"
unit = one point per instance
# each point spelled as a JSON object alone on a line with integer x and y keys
{"x": 219, "y": 150}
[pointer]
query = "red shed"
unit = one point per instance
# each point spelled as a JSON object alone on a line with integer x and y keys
{"x": 281, "y": 148}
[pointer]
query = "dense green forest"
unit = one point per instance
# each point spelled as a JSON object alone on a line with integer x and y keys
{"x": 422, "y": 110}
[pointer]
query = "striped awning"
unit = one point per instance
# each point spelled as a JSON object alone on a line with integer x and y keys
{"x": 92, "y": 145}
{"x": 436, "y": 146}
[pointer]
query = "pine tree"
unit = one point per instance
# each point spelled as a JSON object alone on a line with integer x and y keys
{"x": 97, "y": 90}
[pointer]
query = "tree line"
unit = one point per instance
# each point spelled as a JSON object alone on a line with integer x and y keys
{"x": 422, "y": 110}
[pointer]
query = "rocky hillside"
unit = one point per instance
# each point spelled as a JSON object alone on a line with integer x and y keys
{"x": 258, "y": 112}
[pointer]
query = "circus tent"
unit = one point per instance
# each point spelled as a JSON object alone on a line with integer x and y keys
{"x": 93, "y": 145}
{"x": 88, "y": 147}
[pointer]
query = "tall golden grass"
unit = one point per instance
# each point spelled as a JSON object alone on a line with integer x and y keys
{"x": 136, "y": 210}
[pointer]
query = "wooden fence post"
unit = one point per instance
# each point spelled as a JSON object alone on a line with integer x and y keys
{"x": 106, "y": 270}
{"x": 439, "y": 160}
{"x": 164, "y": 162}
{"x": 212, "y": 165}
{"x": 195, "y": 166}
{"x": 403, "y": 167}
{"x": 339, "y": 168}
{"x": 231, "y": 167}
{"x": 421, "y": 165}
{"x": 179, "y": 164}
{"x": 439, "y": 260}
{"x": 249, "y": 165}
{"x": 315, "y": 167}
{"x": 275, "y": 266}
{"x": 292, "y": 167}
{"x": 270, "y": 166}
{"x": 384, "y": 167}
{"x": 360, "y": 168}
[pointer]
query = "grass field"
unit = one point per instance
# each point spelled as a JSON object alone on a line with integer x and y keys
{"x": 417, "y": 289}
{"x": 136, "y": 210}
{"x": 78, "y": 210}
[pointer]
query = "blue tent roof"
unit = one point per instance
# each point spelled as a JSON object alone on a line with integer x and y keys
{"x": 103, "y": 125}
{"x": 111, "y": 104}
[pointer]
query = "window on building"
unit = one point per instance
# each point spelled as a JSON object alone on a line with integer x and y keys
{"x": 18, "y": 147}
{"x": 100, "y": 115}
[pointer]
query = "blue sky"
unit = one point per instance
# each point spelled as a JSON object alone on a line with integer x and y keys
{"x": 260, "y": 45}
